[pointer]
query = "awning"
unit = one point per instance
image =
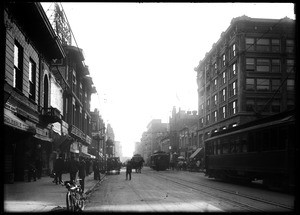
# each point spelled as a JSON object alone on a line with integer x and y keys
{"x": 197, "y": 152}
{"x": 12, "y": 120}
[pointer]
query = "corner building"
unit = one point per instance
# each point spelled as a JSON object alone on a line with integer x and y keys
{"x": 249, "y": 73}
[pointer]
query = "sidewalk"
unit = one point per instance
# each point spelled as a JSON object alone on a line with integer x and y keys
{"x": 41, "y": 195}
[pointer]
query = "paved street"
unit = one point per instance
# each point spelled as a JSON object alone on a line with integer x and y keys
{"x": 172, "y": 191}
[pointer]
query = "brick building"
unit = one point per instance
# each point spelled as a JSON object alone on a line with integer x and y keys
{"x": 30, "y": 46}
{"x": 249, "y": 73}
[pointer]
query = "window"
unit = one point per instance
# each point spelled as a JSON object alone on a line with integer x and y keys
{"x": 290, "y": 104}
{"x": 74, "y": 110}
{"x": 233, "y": 108}
{"x": 275, "y": 45}
{"x": 207, "y": 119}
{"x": 275, "y": 106}
{"x": 290, "y": 85}
{"x": 215, "y": 100}
{"x": 223, "y": 60}
{"x": 263, "y": 45}
{"x": 290, "y": 65}
{"x": 18, "y": 67}
{"x": 275, "y": 83}
{"x": 80, "y": 91}
{"x": 250, "y": 64}
{"x": 249, "y": 44}
{"x": 262, "y": 65}
{"x": 215, "y": 114}
{"x": 223, "y": 112}
{"x": 202, "y": 109}
{"x": 250, "y": 85}
{"x": 276, "y": 65}
{"x": 224, "y": 77}
{"x": 74, "y": 81}
{"x": 223, "y": 95}
{"x": 233, "y": 70}
{"x": 207, "y": 103}
{"x": 263, "y": 84}
{"x": 232, "y": 89}
{"x": 261, "y": 105}
{"x": 232, "y": 51}
{"x": 290, "y": 46}
{"x": 215, "y": 84}
{"x": 32, "y": 79}
{"x": 250, "y": 104}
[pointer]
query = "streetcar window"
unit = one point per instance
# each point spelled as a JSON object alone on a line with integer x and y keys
{"x": 251, "y": 142}
{"x": 244, "y": 144}
{"x": 283, "y": 138}
{"x": 265, "y": 140}
{"x": 225, "y": 146}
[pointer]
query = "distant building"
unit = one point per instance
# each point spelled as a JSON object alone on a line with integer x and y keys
{"x": 177, "y": 122}
{"x": 249, "y": 73}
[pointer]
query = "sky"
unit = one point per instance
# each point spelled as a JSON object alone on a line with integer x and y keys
{"x": 142, "y": 56}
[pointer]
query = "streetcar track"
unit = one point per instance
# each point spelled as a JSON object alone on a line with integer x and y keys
{"x": 227, "y": 192}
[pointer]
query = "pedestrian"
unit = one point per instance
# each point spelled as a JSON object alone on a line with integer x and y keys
{"x": 31, "y": 171}
{"x": 39, "y": 167}
{"x": 73, "y": 168}
{"x": 82, "y": 172}
{"x": 58, "y": 169}
{"x": 96, "y": 170}
{"x": 87, "y": 166}
{"x": 128, "y": 170}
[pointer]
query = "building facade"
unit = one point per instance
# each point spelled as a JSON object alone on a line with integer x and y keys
{"x": 249, "y": 73}
{"x": 30, "y": 47}
{"x": 179, "y": 123}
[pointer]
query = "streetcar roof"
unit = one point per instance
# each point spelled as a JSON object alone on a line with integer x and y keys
{"x": 250, "y": 128}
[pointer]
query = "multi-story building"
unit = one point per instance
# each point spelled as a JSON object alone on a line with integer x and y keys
{"x": 30, "y": 47}
{"x": 248, "y": 73}
{"x": 177, "y": 122}
{"x": 74, "y": 78}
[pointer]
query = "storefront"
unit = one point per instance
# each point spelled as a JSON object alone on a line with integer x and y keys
{"x": 18, "y": 147}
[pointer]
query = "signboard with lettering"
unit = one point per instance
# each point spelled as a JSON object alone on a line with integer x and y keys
{"x": 13, "y": 121}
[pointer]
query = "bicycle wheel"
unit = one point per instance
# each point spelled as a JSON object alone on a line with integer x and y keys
{"x": 79, "y": 202}
{"x": 69, "y": 202}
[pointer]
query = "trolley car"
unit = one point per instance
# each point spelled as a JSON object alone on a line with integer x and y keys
{"x": 260, "y": 150}
{"x": 159, "y": 160}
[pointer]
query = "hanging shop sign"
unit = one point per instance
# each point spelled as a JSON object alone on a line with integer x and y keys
{"x": 12, "y": 120}
{"x": 74, "y": 147}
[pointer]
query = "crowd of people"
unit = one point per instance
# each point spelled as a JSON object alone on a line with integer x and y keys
{"x": 81, "y": 167}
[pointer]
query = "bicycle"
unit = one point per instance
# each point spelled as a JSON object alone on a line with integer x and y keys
{"x": 74, "y": 197}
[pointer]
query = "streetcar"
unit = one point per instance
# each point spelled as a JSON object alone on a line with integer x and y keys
{"x": 113, "y": 164}
{"x": 263, "y": 150}
{"x": 137, "y": 163}
{"x": 159, "y": 160}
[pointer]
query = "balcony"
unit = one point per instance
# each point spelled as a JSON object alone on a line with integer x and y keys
{"x": 50, "y": 115}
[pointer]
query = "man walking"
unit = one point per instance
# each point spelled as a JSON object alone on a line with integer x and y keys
{"x": 82, "y": 172}
{"x": 128, "y": 170}
{"x": 73, "y": 168}
{"x": 58, "y": 169}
